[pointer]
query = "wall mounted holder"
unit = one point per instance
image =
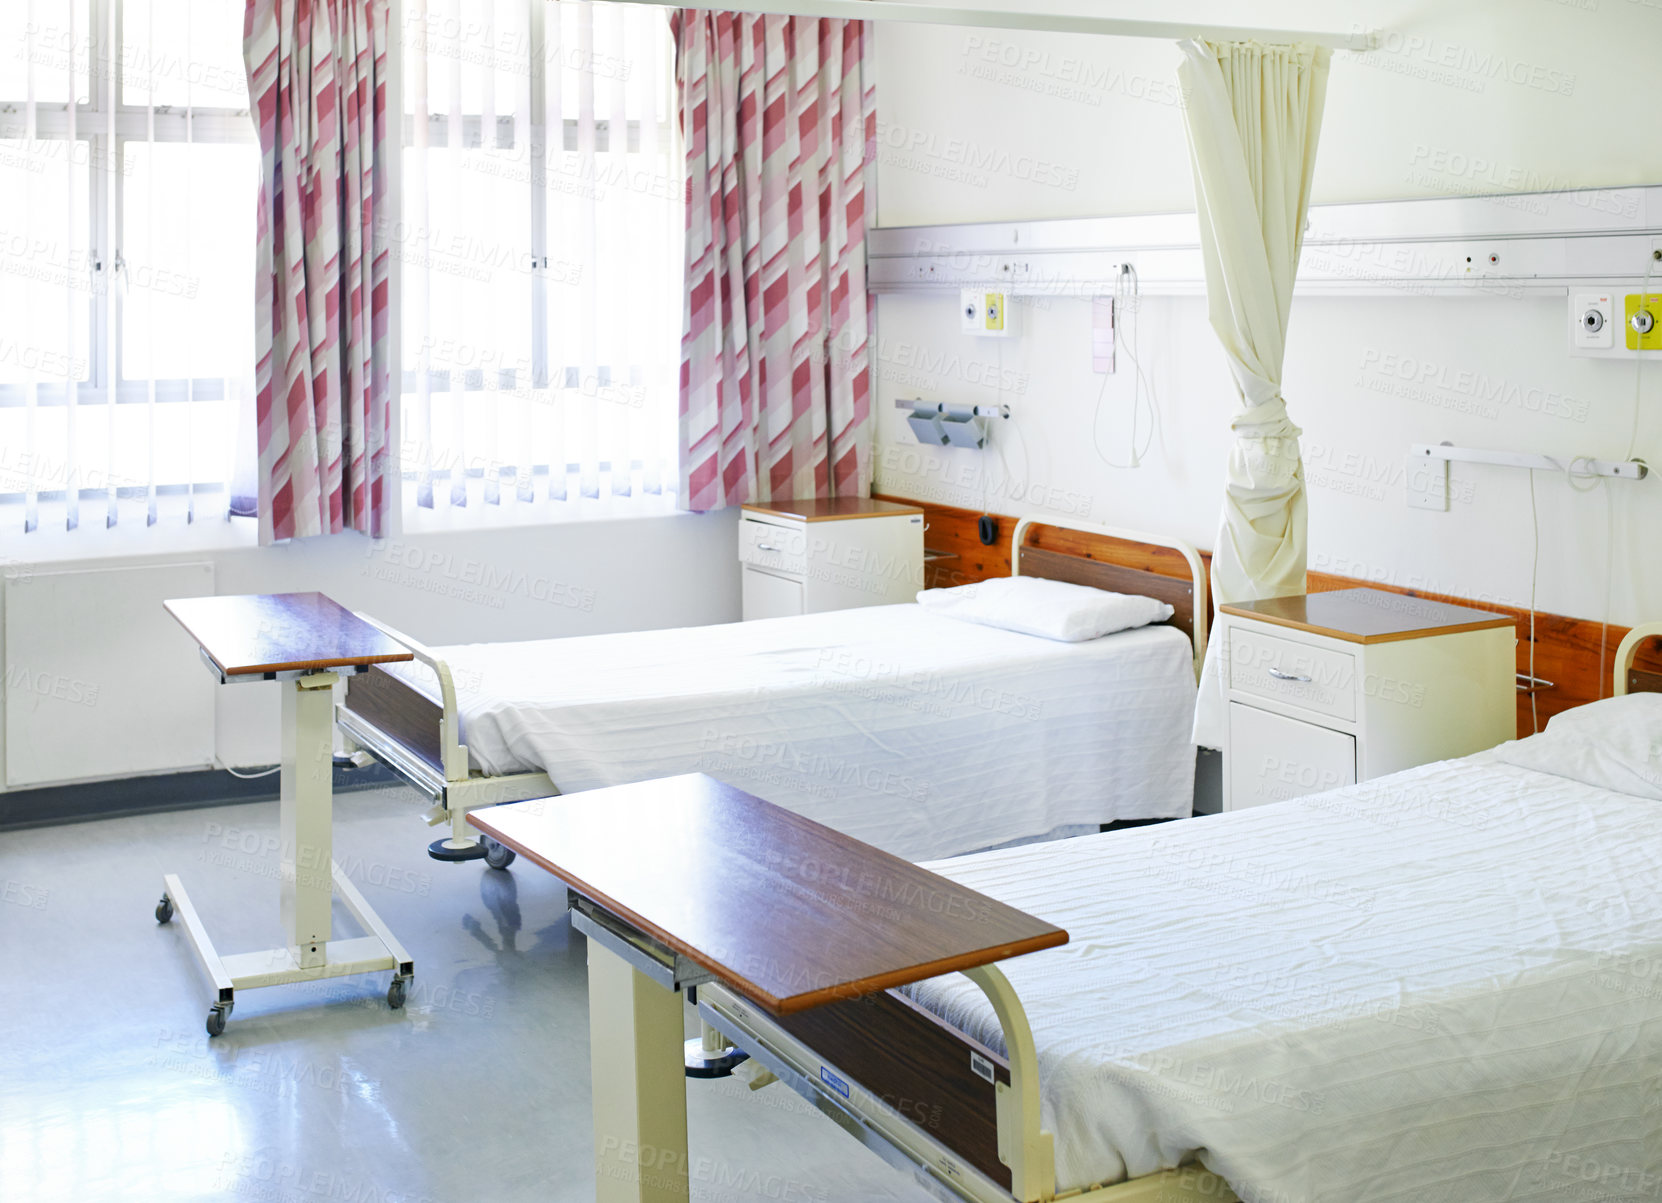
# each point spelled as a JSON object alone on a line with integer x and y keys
{"x": 947, "y": 424}
{"x": 1580, "y": 465}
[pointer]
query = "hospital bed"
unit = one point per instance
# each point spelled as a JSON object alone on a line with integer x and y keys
{"x": 1442, "y": 985}
{"x": 922, "y": 734}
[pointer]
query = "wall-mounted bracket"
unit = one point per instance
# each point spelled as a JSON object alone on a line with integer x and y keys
{"x": 1578, "y": 465}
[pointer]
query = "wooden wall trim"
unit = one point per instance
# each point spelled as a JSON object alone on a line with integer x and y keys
{"x": 1566, "y": 648}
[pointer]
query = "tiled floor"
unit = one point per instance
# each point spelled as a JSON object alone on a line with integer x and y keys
{"x": 477, "y": 1090}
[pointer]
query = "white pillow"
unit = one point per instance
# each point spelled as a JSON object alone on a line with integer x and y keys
{"x": 1615, "y": 744}
{"x": 1048, "y": 609}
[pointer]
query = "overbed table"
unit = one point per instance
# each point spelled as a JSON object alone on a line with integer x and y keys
{"x": 687, "y": 880}
{"x": 307, "y": 642}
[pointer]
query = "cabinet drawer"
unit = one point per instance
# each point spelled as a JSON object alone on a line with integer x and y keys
{"x": 782, "y": 549}
{"x": 1315, "y": 678}
{"x": 1273, "y": 758}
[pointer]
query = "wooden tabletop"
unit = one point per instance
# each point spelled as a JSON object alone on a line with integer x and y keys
{"x": 282, "y": 632}
{"x": 786, "y": 911}
{"x": 1367, "y": 615}
{"x": 831, "y": 509}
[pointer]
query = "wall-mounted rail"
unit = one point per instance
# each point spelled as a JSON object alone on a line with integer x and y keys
{"x": 1526, "y": 243}
{"x": 1579, "y": 465}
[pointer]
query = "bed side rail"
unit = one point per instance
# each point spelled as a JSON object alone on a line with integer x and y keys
{"x": 859, "y": 1107}
{"x": 907, "y": 1061}
{"x": 1023, "y": 1144}
{"x": 452, "y": 753}
{"x": 1191, "y": 557}
{"x": 912, "y": 1086}
{"x": 361, "y": 724}
{"x": 845, "y": 1060}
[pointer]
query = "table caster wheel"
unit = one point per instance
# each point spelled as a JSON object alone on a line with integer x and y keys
{"x": 497, "y": 855}
{"x": 216, "y": 1021}
{"x": 452, "y": 849}
{"x": 396, "y": 992}
{"x": 164, "y": 909}
{"x": 700, "y": 1062}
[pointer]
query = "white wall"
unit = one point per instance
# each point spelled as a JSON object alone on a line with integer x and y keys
{"x": 525, "y": 582}
{"x": 1092, "y": 128}
{"x": 1434, "y": 112}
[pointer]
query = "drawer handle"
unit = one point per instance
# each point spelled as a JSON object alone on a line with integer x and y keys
{"x": 1281, "y": 676}
{"x": 768, "y": 547}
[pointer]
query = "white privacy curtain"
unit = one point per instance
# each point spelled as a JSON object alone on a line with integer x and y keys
{"x": 1254, "y": 114}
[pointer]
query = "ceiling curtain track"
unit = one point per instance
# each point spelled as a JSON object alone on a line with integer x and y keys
{"x": 1028, "y": 17}
{"x": 1253, "y": 114}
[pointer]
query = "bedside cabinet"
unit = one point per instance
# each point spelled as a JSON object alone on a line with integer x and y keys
{"x": 1326, "y": 689}
{"x": 805, "y": 557}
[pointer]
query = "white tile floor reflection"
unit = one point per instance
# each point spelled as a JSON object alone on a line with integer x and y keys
{"x": 110, "y": 1089}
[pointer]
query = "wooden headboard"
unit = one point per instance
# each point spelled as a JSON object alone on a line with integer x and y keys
{"x": 1121, "y": 561}
{"x": 1636, "y": 680}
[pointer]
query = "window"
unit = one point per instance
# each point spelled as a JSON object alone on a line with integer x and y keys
{"x": 539, "y": 241}
{"x": 540, "y": 248}
{"x": 127, "y": 178}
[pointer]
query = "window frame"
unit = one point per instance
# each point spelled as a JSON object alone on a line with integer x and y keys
{"x": 106, "y": 209}
{"x": 539, "y": 250}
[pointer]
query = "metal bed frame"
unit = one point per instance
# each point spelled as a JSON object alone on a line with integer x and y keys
{"x": 1025, "y": 1149}
{"x": 451, "y": 786}
{"x": 445, "y": 779}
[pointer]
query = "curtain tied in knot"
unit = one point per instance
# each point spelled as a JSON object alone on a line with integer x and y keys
{"x": 1265, "y": 459}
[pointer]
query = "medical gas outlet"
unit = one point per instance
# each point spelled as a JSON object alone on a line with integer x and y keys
{"x": 1615, "y": 325}
{"x": 984, "y": 312}
{"x": 1643, "y": 333}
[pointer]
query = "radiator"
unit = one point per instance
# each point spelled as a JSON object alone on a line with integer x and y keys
{"x": 99, "y": 679}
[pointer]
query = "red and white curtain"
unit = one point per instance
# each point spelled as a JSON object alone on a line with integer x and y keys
{"x": 775, "y": 378}
{"x": 317, "y": 84}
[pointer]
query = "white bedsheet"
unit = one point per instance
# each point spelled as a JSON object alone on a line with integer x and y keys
{"x": 1444, "y": 985}
{"x": 921, "y": 734}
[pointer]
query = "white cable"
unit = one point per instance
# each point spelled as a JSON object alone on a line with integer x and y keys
{"x": 1609, "y": 494}
{"x": 1609, "y": 576}
{"x": 1638, "y": 365}
{"x": 1143, "y": 383}
{"x": 1136, "y": 382}
{"x": 987, "y": 440}
{"x": 247, "y": 776}
{"x": 1127, "y": 299}
{"x": 1026, "y": 480}
{"x": 1534, "y": 572}
{"x": 1570, "y": 476}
